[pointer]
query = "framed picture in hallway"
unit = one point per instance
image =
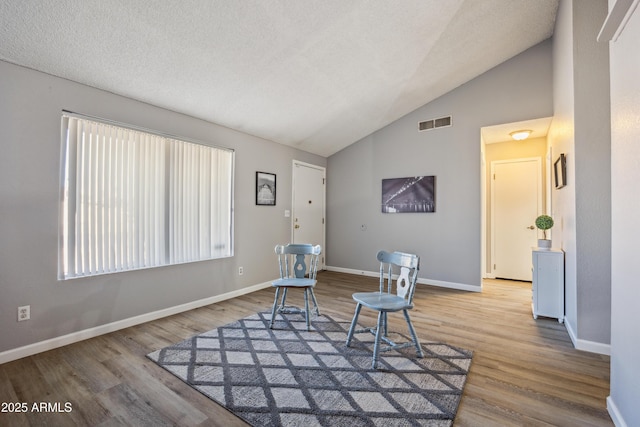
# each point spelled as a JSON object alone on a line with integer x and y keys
{"x": 265, "y": 189}
{"x": 560, "y": 171}
{"x": 411, "y": 194}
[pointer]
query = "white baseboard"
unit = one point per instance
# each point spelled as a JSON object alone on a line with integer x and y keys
{"x": 50, "y": 344}
{"x": 351, "y": 271}
{"x": 451, "y": 285}
{"x": 440, "y": 283}
{"x": 584, "y": 345}
{"x": 615, "y": 414}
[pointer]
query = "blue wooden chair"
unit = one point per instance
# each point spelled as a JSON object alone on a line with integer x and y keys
{"x": 298, "y": 268}
{"x": 384, "y": 301}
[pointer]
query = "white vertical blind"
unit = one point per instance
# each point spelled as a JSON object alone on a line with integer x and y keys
{"x": 132, "y": 199}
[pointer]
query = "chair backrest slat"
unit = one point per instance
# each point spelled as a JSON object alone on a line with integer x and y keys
{"x": 298, "y": 260}
{"x": 407, "y": 266}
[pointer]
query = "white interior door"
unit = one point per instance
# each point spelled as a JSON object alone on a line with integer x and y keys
{"x": 516, "y": 201}
{"x": 308, "y": 205}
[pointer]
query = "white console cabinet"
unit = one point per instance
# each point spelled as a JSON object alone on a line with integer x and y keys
{"x": 548, "y": 283}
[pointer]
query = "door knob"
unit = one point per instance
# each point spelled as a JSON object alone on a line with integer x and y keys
{"x": 296, "y": 226}
{"x": 531, "y": 227}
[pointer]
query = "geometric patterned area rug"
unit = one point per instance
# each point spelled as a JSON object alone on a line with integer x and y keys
{"x": 287, "y": 376}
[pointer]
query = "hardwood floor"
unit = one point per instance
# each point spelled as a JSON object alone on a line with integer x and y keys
{"x": 524, "y": 371}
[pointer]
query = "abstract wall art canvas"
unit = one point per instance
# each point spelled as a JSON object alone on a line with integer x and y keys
{"x": 411, "y": 194}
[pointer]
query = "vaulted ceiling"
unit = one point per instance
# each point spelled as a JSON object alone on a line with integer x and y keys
{"x": 316, "y": 75}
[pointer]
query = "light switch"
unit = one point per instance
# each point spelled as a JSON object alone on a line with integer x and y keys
{"x": 287, "y": 213}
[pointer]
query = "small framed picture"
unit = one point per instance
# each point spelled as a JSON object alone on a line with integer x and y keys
{"x": 265, "y": 189}
{"x": 560, "y": 171}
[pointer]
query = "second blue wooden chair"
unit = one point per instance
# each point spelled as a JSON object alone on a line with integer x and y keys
{"x": 384, "y": 301}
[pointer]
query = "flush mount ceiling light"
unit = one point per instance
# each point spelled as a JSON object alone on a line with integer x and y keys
{"x": 519, "y": 135}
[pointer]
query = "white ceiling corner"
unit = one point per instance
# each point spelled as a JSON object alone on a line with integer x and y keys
{"x": 314, "y": 75}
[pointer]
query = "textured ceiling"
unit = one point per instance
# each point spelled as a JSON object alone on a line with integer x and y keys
{"x": 316, "y": 75}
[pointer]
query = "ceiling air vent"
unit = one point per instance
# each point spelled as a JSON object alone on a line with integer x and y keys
{"x": 434, "y": 123}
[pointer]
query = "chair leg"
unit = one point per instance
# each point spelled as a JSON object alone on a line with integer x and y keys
{"x": 284, "y": 297}
{"x": 413, "y": 334}
{"x": 315, "y": 302}
{"x": 352, "y": 328}
{"x": 306, "y": 308}
{"x": 376, "y": 344}
{"x": 385, "y": 324}
{"x": 274, "y": 309}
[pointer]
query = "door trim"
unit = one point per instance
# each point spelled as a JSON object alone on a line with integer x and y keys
{"x": 323, "y": 169}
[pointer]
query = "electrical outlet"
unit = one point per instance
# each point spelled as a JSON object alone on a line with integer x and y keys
{"x": 240, "y": 271}
{"x": 24, "y": 313}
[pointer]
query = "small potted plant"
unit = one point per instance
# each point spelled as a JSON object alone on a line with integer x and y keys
{"x": 544, "y": 222}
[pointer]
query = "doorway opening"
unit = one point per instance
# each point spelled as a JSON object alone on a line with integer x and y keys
{"x": 515, "y": 190}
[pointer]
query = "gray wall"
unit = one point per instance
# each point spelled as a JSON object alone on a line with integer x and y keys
{"x": 593, "y": 172}
{"x": 625, "y": 176}
{"x": 449, "y": 240}
{"x": 582, "y": 209}
{"x": 29, "y": 180}
{"x": 561, "y": 139}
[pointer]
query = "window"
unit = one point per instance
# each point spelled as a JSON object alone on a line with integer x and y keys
{"x": 131, "y": 199}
